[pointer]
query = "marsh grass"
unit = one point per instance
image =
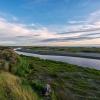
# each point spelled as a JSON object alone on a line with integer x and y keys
{"x": 67, "y": 81}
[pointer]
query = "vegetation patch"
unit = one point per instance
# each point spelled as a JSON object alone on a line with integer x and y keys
{"x": 12, "y": 88}
{"x": 67, "y": 81}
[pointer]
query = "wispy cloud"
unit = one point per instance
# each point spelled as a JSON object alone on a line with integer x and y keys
{"x": 21, "y": 33}
{"x": 17, "y": 33}
{"x": 76, "y": 38}
{"x": 8, "y": 16}
{"x": 87, "y": 29}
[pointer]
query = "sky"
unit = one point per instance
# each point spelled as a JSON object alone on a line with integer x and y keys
{"x": 50, "y": 22}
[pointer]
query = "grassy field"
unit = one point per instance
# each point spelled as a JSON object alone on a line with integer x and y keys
{"x": 23, "y": 77}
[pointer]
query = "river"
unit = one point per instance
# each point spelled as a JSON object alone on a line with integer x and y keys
{"x": 84, "y": 62}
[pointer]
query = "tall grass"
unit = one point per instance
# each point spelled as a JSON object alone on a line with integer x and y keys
{"x": 12, "y": 88}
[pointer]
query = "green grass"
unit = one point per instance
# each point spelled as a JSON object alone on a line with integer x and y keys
{"x": 67, "y": 81}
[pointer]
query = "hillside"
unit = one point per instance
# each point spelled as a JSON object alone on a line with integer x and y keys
{"x": 23, "y": 77}
{"x": 11, "y": 86}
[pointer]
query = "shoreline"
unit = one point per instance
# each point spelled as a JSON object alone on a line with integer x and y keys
{"x": 81, "y": 55}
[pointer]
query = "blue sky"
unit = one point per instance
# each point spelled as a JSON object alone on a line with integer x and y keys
{"x": 50, "y": 22}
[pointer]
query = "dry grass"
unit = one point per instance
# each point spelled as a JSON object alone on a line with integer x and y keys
{"x": 11, "y": 88}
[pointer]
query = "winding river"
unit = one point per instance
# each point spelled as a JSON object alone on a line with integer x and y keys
{"x": 84, "y": 62}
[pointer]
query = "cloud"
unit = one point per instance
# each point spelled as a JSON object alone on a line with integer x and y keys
{"x": 21, "y": 33}
{"x": 91, "y": 22}
{"x": 87, "y": 29}
{"x": 82, "y": 30}
{"x": 8, "y": 16}
{"x": 94, "y": 17}
{"x": 17, "y": 33}
{"x": 68, "y": 39}
{"x": 76, "y": 22}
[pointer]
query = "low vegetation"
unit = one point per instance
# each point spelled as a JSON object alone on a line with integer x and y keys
{"x": 28, "y": 75}
{"x": 67, "y": 49}
{"x": 13, "y": 87}
{"x": 69, "y": 82}
{"x": 8, "y": 58}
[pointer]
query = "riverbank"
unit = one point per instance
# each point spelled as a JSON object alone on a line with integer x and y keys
{"x": 80, "y": 54}
{"x": 68, "y": 82}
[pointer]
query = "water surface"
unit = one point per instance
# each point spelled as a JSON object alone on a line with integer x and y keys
{"x": 84, "y": 62}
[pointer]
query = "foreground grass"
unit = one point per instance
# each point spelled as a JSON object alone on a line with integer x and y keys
{"x": 69, "y": 82}
{"x": 13, "y": 88}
